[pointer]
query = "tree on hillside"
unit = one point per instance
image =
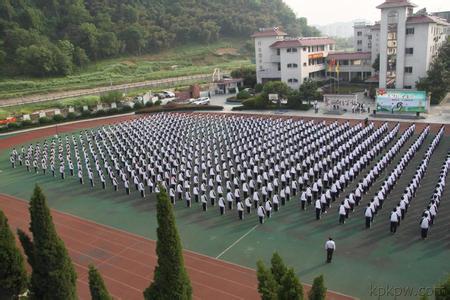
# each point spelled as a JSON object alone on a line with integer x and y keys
{"x": 97, "y": 285}
{"x": 53, "y": 275}
{"x": 278, "y": 268}
{"x": 290, "y": 287}
{"x": 318, "y": 290}
{"x": 13, "y": 276}
{"x": 442, "y": 290}
{"x": 267, "y": 285}
{"x": 437, "y": 81}
{"x": 171, "y": 280}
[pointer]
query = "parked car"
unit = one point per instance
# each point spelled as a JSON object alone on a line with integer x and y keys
{"x": 202, "y": 101}
{"x": 169, "y": 94}
{"x": 191, "y": 100}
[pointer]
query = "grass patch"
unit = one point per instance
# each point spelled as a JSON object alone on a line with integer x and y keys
{"x": 180, "y": 61}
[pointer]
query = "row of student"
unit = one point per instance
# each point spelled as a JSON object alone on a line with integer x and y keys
{"x": 390, "y": 181}
{"x": 410, "y": 191}
{"x": 377, "y": 201}
{"x": 430, "y": 213}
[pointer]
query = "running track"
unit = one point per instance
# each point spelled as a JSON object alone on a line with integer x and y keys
{"x": 127, "y": 261}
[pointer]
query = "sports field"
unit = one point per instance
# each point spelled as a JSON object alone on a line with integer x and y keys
{"x": 364, "y": 259}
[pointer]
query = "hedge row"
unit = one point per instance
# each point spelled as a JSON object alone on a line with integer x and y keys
{"x": 302, "y": 107}
{"x": 178, "y": 107}
{"x": 56, "y": 119}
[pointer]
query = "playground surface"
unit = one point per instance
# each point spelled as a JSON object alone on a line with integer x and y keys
{"x": 364, "y": 258}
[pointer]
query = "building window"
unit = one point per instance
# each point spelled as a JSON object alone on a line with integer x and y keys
{"x": 305, "y": 49}
{"x": 359, "y": 50}
{"x": 409, "y": 30}
{"x": 409, "y": 50}
{"x": 279, "y": 66}
{"x": 289, "y": 50}
{"x": 305, "y": 64}
{"x": 369, "y": 37}
{"x": 293, "y": 80}
{"x": 278, "y": 52}
{"x": 408, "y": 69}
{"x": 292, "y": 66}
{"x": 359, "y": 42}
{"x": 260, "y": 54}
{"x": 259, "y": 50}
{"x": 259, "y": 43}
{"x": 407, "y": 87}
{"x": 359, "y": 33}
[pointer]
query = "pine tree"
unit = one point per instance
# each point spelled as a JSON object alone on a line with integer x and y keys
{"x": 267, "y": 285}
{"x": 318, "y": 290}
{"x": 53, "y": 275}
{"x": 278, "y": 268}
{"x": 97, "y": 285}
{"x": 442, "y": 291}
{"x": 13, "y": 276}
{"x": 171, "y": 280}
{"x": 290, "y": 287}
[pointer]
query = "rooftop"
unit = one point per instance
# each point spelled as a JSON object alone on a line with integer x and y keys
{"x": 427, "y": 19}
{"x": 396, "y": 3}
{"x": 266, "y": 32}
{"x": 301, "y": 42}
{"x": 349, "y": 55}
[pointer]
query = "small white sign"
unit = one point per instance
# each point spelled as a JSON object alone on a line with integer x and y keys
{"x": 26, "y": 117}
{"x": 71, "y": 109}
{"x": 85, "y": 108}
{"x": 273, "y": 97}
{"x": 114, "y": 105}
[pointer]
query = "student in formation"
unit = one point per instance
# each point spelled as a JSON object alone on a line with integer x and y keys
{"x": 330, "y": 246}
{"x": 261, "y": 213}
{"x": 221, "y": 205}
{"x": 368, "y": 214}
{"x": 240, "y": 209}
{"x": 394, "y": 220}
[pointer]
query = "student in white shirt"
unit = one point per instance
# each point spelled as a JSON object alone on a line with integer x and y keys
{"x": 368, "y": 214}
{"x": 342, "y": 213}
{"x": 330, "y": 246}
{"x": 221, "y": 205}
{"x": 261, "y": 213}
{"x": 424, "y": 226}
{"x": 240, "y": 209}
{"x": 318, "y": 209}
{"x": 394, "y": 220}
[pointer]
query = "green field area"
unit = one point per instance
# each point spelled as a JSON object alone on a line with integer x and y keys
{"x": 180, "y": 61}
{"x": 364, "y": 258}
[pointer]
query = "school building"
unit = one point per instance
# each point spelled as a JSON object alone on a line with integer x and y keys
{"x": 405, "y": 41}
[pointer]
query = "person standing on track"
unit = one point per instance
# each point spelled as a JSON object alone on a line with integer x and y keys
{"x": 330, "y": 246}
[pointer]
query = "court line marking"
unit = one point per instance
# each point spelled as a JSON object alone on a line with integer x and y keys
{"x": 237, "y": 241}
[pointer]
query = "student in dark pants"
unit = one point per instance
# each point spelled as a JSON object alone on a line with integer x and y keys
{"x": 330, "y": 246}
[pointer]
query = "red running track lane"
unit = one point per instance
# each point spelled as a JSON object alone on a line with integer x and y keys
{"x": 127, "y": 261}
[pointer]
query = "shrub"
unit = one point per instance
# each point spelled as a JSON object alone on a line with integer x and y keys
{"x": 157, "y": 102}
{"x": 58, "y": 118}
{"x": 27, "y": 123}
{"x": 71, "y": 116}
{"x": 14, "y": 125}
{"x": 113, "y": 111}
{"x": 138, "y": 105}
{"x": 45, "y": 120}
{"x": 126, "y": 109}
{"x": 111, "y": 97}
{"x": 149, "y": 104}
{"x": 259, "y": 88}
{"x": 178, "y": 107}
{"x": 100, "y": 113}
{"x": 85, "y": 113}
{"x": 242, "y": 95}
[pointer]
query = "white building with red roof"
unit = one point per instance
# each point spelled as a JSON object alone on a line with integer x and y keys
{"x": 291, "y": 60}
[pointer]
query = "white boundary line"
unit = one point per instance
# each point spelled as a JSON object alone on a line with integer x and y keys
{"x": 237, "y": 241}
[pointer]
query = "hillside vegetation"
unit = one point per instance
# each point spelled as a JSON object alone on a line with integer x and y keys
{"x": 42, "y": 38}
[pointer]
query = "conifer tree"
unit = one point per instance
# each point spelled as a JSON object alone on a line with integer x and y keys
{"x": 278, "y": 268}
{"x": 442, "y": 290}
{"x": 290, "y": 287}
{"x": 97, "y": 285}
{"x": 318, "y": 290}
{"x": 13, "y": 276}
{"x": 171, "y": 280}
{"x": 53, "y": 275}
{"x": 267, "y": 285}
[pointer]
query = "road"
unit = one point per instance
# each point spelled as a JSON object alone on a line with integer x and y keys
{"x": 98, "y": 90}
